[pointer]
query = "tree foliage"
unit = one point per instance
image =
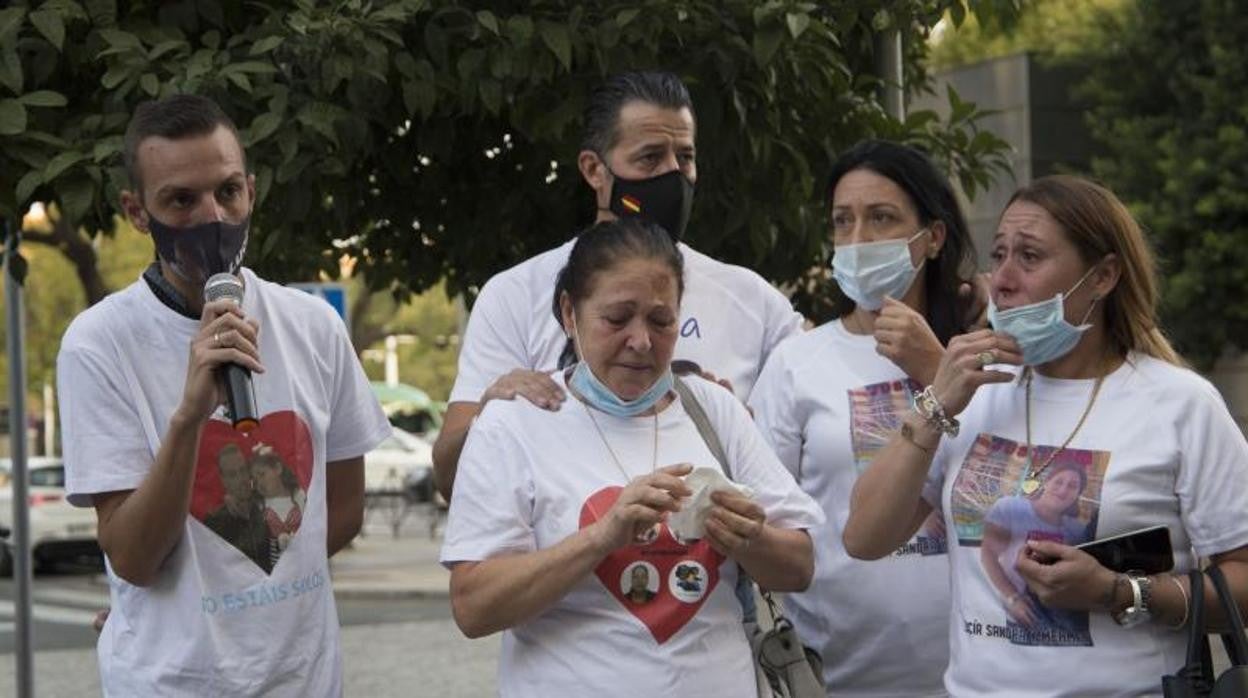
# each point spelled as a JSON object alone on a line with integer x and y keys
{"x": 1056, "y": 29}
{"x": 436, "y": 139}
{"x": 1177, "y": 153}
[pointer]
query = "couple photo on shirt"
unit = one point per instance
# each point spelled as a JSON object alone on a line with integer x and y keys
{"x": 249, "y": 493}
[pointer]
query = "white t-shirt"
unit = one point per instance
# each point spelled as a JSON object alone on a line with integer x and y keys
{"x": 731, "y": 319}
{"x": 1158, "y": 447}
{"x": 826, "y": 402}
{"x": 216, "y": 621}
{"x": 529, "y": 478}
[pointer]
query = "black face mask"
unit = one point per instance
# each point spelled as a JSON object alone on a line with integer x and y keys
{"x": 197, "y": 252}
{"x": 666, "y": 200}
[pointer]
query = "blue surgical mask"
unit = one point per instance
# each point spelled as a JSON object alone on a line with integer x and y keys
{"x": 869, "y": 271}
{"x": 599, "y": 396}
{"x": 1041, "y": 329}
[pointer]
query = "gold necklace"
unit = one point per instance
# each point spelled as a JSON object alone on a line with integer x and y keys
{"x": 1031, "y": 482}
{"x": 654, "y": 457}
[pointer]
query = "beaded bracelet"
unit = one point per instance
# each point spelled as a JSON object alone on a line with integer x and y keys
{"x": 930, "y": 409}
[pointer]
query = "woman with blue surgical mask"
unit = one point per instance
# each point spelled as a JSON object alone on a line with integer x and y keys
{"x": 828, "y": 400}
{"x": 558, "y": 533}
{"x": 1072, "y": 419}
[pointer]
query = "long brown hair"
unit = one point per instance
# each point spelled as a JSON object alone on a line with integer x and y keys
{"x": 1098, "y": 224}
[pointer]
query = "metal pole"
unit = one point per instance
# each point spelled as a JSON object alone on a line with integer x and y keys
{"x": 17, "y": 433}
{"x": 888, "y": 66}
{"x": 49, "y": 420}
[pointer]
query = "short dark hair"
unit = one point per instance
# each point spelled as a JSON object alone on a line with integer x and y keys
{"x": 174, "y": 117}
{"x": 933, "y": 198}
{"x": 602, "y": 112}
{"x": 602, "y": 247}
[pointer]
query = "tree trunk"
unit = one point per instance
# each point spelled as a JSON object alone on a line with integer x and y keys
{"x": 78, "y": 250}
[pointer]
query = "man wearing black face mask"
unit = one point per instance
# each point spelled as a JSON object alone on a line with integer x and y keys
{"x": 196, "y": 613}
{"x": 638, "y": 156}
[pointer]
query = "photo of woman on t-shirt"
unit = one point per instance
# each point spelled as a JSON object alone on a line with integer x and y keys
{"x": 1050, "y": 513}
{"x": 284, "y": 499}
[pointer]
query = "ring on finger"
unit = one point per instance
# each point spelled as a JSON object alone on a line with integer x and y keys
{"x": 216, "y": 338}
{"x": 986, "y": 357}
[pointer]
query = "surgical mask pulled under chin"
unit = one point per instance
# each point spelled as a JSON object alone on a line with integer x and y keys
{"x": 599, "y": 396}
{"x": 196, "y": 252}
{"x": 1041, "y": 329}
{"x": 869, "y": 271}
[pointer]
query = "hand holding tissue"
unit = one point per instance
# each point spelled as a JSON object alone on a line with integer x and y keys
{"x": 690, "y": 522}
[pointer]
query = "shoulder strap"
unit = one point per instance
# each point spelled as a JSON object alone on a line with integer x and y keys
{"x": 700, "y": 420}
{"x": 1233, "y": 640}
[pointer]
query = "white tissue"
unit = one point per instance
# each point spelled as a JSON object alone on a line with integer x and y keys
{"x": 690, "y": 522}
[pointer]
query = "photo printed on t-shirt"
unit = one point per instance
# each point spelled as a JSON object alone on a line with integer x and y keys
{"x": 999, "y": 503}
{"x": 876, "y": 412}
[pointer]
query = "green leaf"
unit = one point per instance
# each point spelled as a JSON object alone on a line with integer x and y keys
{"x": 115, "y": 76}
{"x": 263, "y": 126}
{"x": 50, "y": 24}
{"x": 266, "y": 44}
{"x": 27, "y": 185}
{"x": 117, "y": 38}
{"x": 767, "y": 41}
{"x": 60, "y": 163}
{"x": 165, "y": 47}
{"x": 336, "y": 69}
{"x": 150, "y": 84}
{"x": 47, "y": 139}
{"x": 32, "y": 155}
{"x": 10, "y": 24}
{"x": 251, "y": 67}
{"x": 626, "y": 16}
{"x": 264, "y": 183}
{"x": 11, "y": 69}
{"x": 211, "y": 39}
{"x": 797, "y": 23}
{"x": 556, "y": 38}
{"x": 240, "y": 80}
{"x": 419, "y": 97}
{"x": 489, "y": 21}
{"x": 491, "y": 95}
{"x": 520, "y": 30}
{"x": 43, "y": 98}
{"x": 406, "y": 64}
{"x": 271, "y": 238}
{"x": 12, "y": 117}
{"x": 76, "y": 196}
{"x": 106, "y": 148}
{"x": 103, "y": 13}
{"x": 200, "y": 63}
{"x": 320, "y": 117}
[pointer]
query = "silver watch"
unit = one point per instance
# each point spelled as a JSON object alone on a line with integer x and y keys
{"x": 1140, "y": 610}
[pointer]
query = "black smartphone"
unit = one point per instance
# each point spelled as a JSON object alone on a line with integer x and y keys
{"x": 1145, "y": 550}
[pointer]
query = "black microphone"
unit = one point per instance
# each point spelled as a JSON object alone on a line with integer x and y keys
{"x": 240, "y": 397}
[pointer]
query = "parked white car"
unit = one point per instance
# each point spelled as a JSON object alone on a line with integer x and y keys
{"x": 403, "y": 462}
{"x": 58, "y": 530}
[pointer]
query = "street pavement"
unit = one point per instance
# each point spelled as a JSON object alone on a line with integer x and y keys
{"x": 398, "y": 638}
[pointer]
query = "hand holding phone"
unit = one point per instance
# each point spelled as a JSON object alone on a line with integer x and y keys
{"x": 1145, "y": 550}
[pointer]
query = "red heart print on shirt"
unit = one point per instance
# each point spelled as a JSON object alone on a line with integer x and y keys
{"x": 251, "y": 488}
{"x": 659, "y": 580}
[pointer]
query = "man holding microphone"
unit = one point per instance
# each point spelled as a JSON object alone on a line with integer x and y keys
{"x": 142, "y": 397}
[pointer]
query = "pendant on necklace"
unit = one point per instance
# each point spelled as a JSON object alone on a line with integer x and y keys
{"x": 1030, "y": 485}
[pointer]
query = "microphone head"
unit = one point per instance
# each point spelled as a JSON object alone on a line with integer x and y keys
{"x": 223, "y": 286}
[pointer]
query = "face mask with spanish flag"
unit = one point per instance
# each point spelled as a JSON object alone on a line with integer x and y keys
{"x": 666, "y": 200}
